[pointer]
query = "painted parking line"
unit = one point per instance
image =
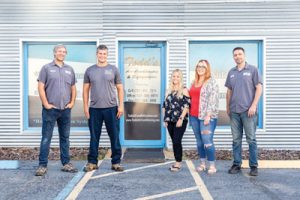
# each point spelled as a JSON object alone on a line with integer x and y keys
{"x": 69, "y": 187}
{"x": 199, "y": 182}
{"x": 168, "y": 193}
{"x": 75, "y": 191}
{"x": 275, "y": 164}
{"x": 73, "y": 194}
{"x": 131, "y": 170}
{"x": 9, "y": 164}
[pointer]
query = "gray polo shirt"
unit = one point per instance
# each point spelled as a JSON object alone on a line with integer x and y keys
{"x": 103, "y": 82}
{"x": 58, "y": 82}
{"x": 243, "y": 86}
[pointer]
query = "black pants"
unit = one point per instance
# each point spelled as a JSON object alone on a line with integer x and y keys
{"x": 176, "y": 134}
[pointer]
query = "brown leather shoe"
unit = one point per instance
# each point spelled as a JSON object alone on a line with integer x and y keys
{"x": 69, "y": 168}
{"x": 90, "y": 167}
{"x": 41, "y": 171}
{"x": 117, "y": 168}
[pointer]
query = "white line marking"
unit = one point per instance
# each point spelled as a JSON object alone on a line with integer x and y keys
{"x": 168, "y": 193}
{"x": 130, "y": 170}
{"x": 77, "y": 189}
{"x": 199, "y": 182}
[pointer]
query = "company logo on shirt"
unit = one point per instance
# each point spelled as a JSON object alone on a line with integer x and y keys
{"x": 246, "y": 74}
{"x": 67, "y": 72}
{"x": 52, "y": 70}
{"x": 232, "y": 76}
{"x": 108, "y": 72}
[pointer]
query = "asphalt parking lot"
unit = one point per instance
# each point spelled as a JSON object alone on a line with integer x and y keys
{"x": 150, "y": 181}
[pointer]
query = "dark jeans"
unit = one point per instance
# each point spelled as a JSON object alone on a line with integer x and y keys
{"x": 176, "y": 134}
{"x": 109, "y": 116}
{"x": 63, "y": 119}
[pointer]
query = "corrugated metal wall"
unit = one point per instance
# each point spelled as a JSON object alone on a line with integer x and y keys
{"x": 22, "y": 19}
{"x": 279, "y": 23}
{"x": 173, "y": 21}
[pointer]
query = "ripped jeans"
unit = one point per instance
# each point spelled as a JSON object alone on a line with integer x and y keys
{"x": 204, "y": 136}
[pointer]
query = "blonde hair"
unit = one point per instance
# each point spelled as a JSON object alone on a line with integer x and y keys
{"x": 207, "y": 74}
{"x": 171, "y": 89}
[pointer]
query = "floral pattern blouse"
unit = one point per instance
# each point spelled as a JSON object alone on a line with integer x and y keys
{"x": 209, "y": 99}
{"x": 174, "y": 107}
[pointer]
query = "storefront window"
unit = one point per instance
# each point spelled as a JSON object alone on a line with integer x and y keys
{"x": 219, "y": 55}
{"x": 80, "y": 55}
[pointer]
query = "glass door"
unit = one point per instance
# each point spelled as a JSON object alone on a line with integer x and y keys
{"x": 142, "y": 66}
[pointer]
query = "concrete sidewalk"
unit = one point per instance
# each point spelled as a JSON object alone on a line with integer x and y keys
{"x": 148, "y": 181}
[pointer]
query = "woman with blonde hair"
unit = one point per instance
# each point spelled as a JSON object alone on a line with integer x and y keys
{"x": 204, "y": 94}
{"x": 175, "y": 109}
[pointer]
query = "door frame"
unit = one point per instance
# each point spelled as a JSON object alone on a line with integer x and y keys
{"x": 120, "y": 44}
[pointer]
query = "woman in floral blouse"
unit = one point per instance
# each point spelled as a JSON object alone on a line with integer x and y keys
{"x": 204, "y": 94}
{"x": 176, "y": 106}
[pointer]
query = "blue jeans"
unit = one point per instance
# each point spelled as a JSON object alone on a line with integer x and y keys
{"x": 205, "y": 143}
{"x": 63, "y": 119}
{"x": 240, "y": 121}
{"x": 112, "y": 124}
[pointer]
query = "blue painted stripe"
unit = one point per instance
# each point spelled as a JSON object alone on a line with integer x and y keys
{"x": 9, "y": 164}
{"x": 70, "y": 186}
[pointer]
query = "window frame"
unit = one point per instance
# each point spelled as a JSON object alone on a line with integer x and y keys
{"x": 261, "y": 67}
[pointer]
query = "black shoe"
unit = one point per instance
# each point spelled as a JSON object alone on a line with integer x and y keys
{"x": 253, "y": 171}
{"x": 234, "y": 169}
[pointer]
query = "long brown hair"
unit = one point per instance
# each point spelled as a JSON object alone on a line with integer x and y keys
{"x": 207, "y": 74}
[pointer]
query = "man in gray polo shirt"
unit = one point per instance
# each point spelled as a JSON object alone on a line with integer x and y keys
{"x": 101, "y": 81}
{"x": 244, "y": 88}
{"x": 56, "y": 86}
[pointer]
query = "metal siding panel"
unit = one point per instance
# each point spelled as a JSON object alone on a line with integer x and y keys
{"x": 277, "y": 20}
{"x": 45, "y": 20}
